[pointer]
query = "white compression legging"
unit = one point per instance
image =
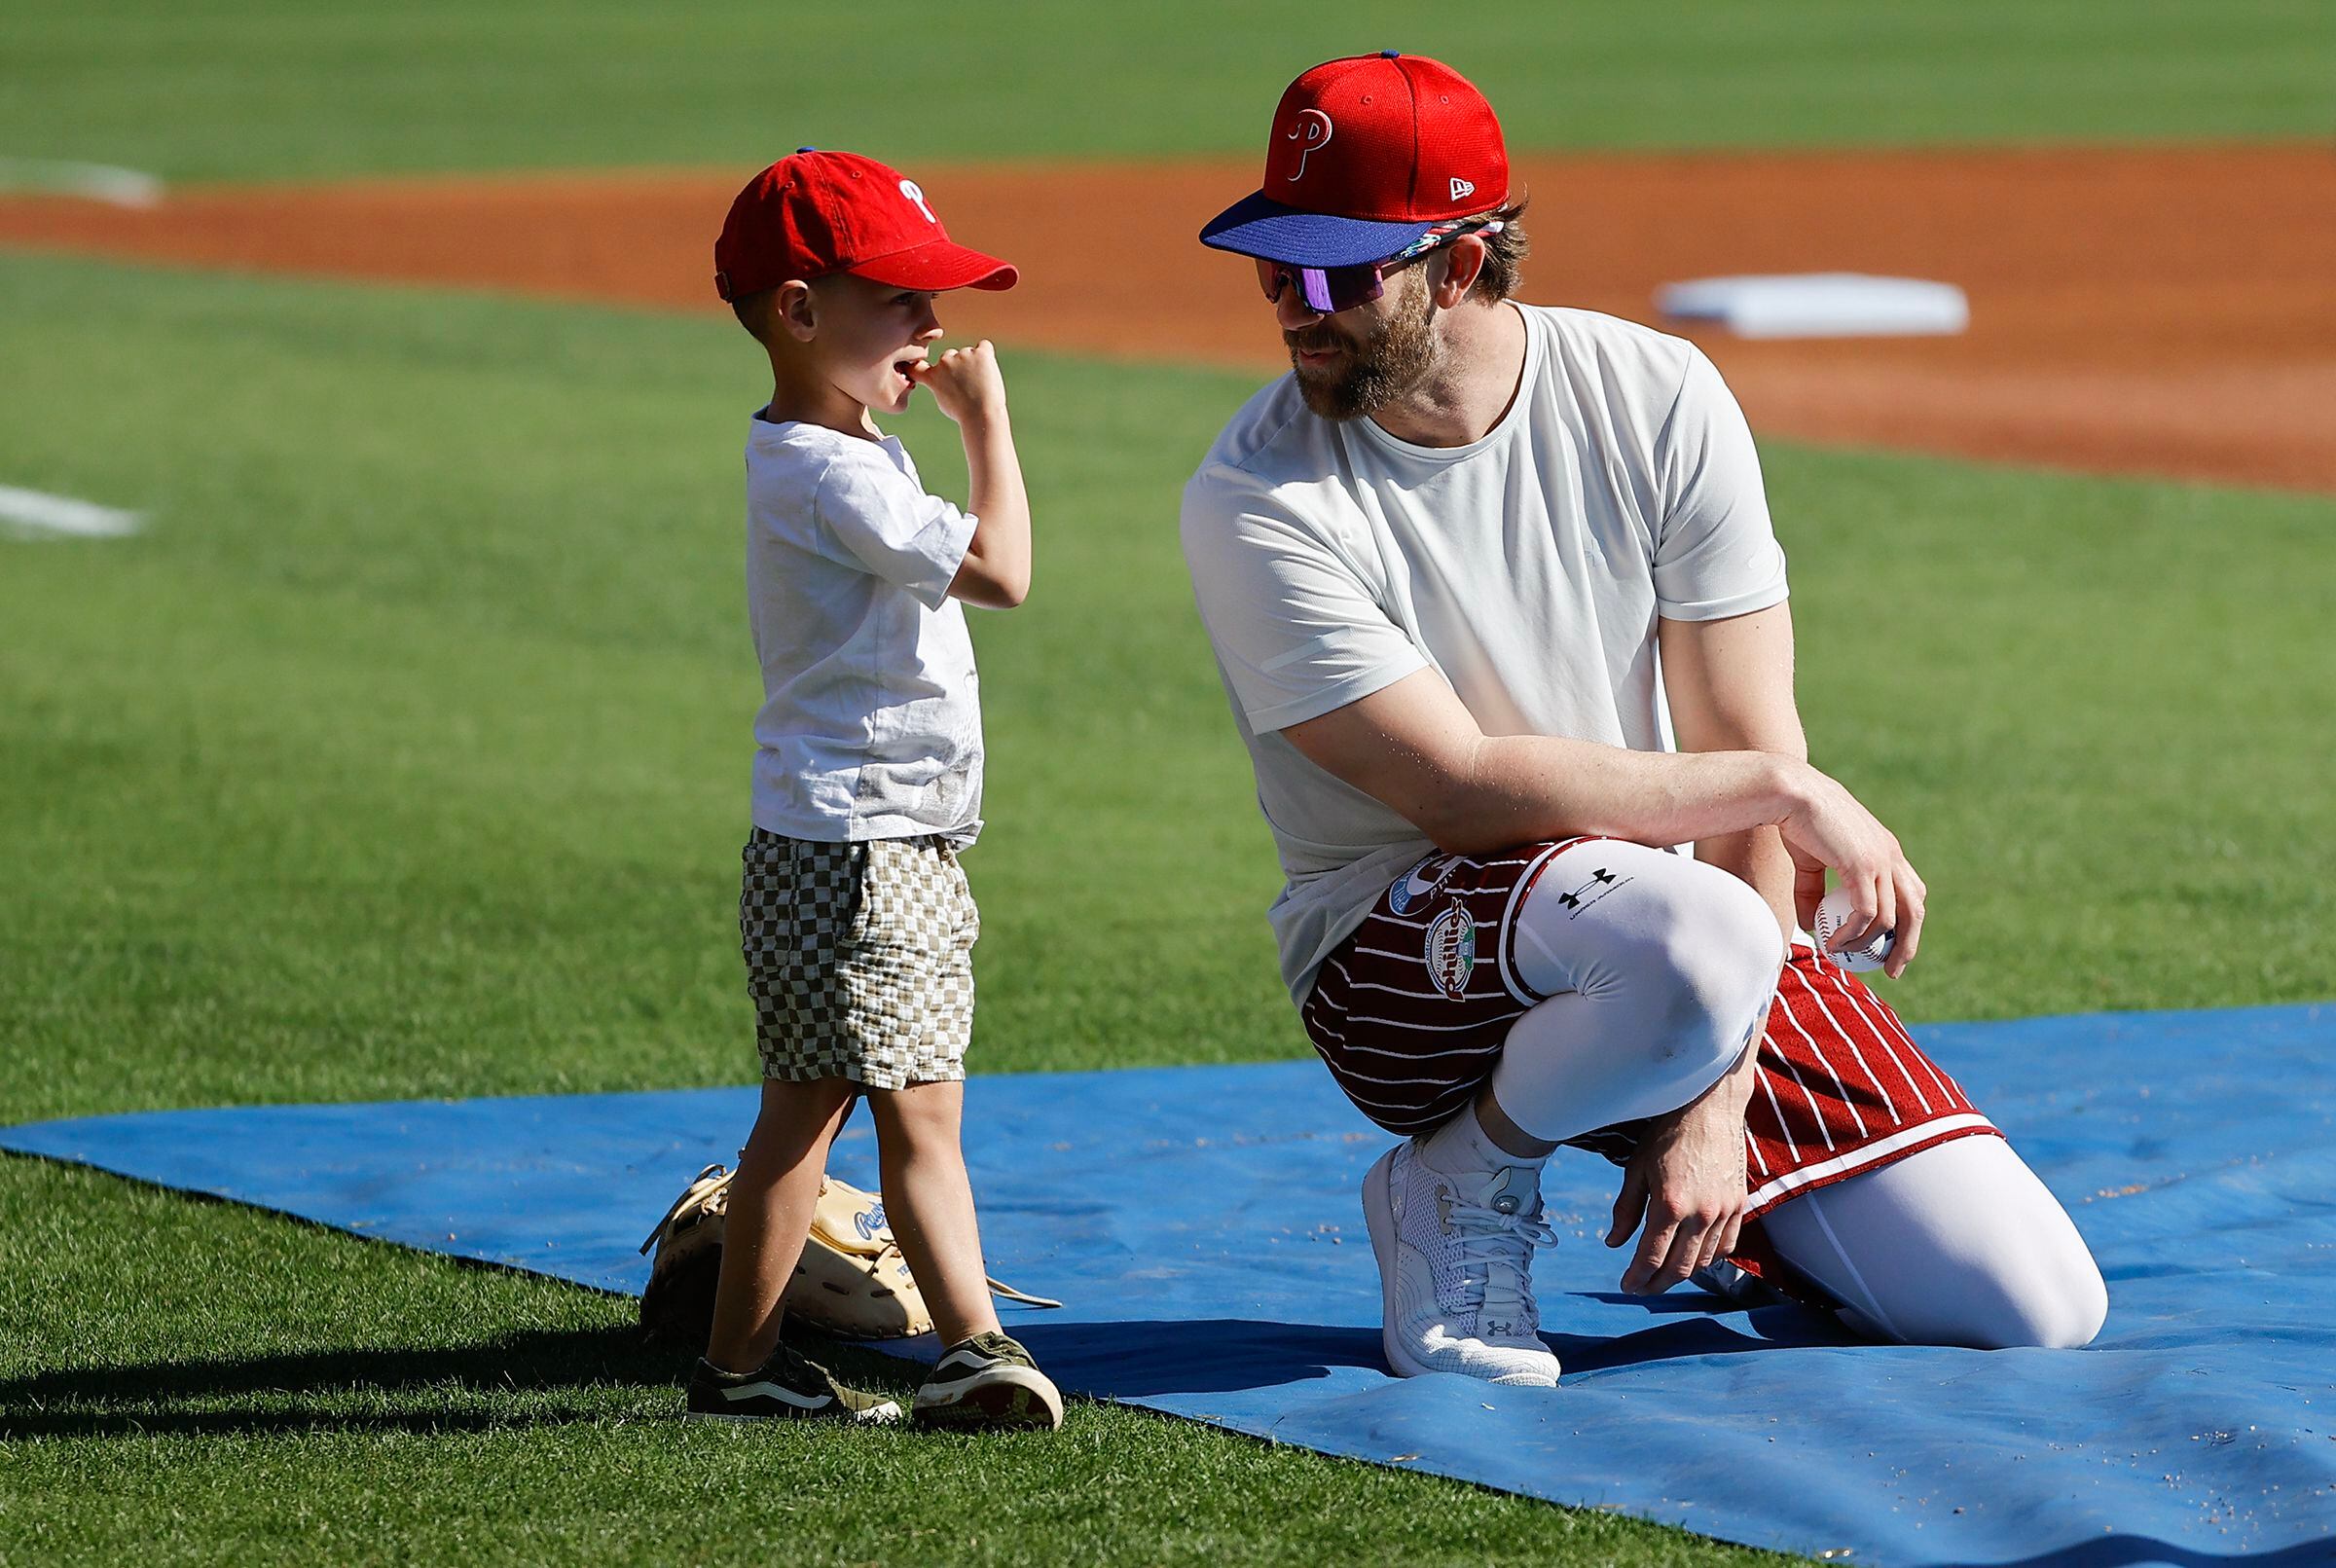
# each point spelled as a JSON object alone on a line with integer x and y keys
{"x": 1658, "y": 971}
{"x": 1957, "y": 1245}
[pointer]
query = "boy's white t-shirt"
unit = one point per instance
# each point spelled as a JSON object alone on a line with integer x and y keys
{"x": 871, "y": 718}
{"x": 1529, "y": 567}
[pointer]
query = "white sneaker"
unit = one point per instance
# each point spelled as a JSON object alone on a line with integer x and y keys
{"x": 1456, "y": 1269}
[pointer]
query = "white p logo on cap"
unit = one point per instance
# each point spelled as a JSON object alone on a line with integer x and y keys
{"x": 1312, "y": 130}
{"x": 915, "y": 192}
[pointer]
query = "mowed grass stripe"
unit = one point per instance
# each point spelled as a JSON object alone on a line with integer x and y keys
{"x": 432, "y": 677}
{"x": 406, "y": 754}
{"x": 279, "y": 88}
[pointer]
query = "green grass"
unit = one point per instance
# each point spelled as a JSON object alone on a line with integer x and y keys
{"x": 406, "y": 754}
{"x": 285, "y": 87}
{"x": 431, "y": 681}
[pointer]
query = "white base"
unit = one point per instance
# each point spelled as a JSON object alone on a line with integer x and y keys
{"x": 1819, "y": 305}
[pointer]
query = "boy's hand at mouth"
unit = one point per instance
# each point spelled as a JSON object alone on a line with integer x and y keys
{"x": 964, "y": 382}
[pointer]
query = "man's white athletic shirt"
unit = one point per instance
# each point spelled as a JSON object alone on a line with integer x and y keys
{"x": 1331, "y": 559}
{"x": 871, "y": 719}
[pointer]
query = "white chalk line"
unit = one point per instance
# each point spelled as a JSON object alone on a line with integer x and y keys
{"x": 38, "y": 513}
{"x": 97, "y": 182}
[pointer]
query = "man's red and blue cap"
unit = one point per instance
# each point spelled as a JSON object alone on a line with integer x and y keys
{"x": 1366, "y": 154}
{"x": 815, "y": 212}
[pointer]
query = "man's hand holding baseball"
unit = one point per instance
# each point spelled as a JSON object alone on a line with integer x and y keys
{"x": 1826, "y": 826}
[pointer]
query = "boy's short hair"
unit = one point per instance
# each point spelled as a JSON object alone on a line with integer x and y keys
{"x": 754, "y": 310}
{"x": 753, "y": 313}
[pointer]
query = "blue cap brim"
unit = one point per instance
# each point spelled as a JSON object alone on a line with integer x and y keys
{"x": 1258, "y": 226}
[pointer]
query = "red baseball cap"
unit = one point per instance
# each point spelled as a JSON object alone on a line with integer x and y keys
{"x": 816, "y": 213}
{"x": 1367, "y": 154}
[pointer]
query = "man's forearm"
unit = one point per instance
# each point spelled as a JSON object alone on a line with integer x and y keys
{"x": 1415, "y": 748}
{"x": 1519, "y": 788}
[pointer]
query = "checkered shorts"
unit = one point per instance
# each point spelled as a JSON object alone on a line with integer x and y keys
{"x": 858, "y": 958}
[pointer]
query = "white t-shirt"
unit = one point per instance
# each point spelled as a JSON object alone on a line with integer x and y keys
{"x": 871, "y": 718}
{"x": 1529, "y": 567}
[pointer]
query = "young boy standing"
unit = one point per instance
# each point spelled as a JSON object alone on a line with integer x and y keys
{"x": 856, "y": 923}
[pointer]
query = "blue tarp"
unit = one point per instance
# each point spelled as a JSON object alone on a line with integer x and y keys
{"x": 1203, "y": 1226}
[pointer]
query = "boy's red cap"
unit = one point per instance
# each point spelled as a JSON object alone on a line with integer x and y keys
{"x": 817, "y": 213}
{"x": 1367, "y": 154}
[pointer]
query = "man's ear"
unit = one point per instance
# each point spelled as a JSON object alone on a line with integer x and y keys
{"x": 1463, "y": 263}
{"x": 797, "y": 309}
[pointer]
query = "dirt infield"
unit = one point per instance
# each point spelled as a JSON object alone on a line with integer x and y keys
{"x": 2155, "y": 310}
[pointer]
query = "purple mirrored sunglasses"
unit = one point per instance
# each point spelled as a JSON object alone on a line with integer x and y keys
{"x": 1328, "y": 290}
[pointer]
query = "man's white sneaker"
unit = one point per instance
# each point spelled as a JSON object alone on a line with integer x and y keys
{"x": 1456, "y": 1269}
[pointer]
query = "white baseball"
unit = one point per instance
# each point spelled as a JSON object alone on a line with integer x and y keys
{"x": 1833, "y": 913}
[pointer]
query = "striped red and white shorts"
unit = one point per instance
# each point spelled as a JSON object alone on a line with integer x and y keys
{"x": 1410, "y": 1012}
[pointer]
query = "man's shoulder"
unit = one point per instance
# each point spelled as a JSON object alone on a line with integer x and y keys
{"x": 1266, "y": 454}
{"x": 1612, "y": 347}
{"x": 1274, "y": 479}
{"x": 1272, "y": 432}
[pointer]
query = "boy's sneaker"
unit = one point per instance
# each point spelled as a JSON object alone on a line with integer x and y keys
{"x": 989, "y": 1381}
{"x": 1455, "y": 1260}
{"x": 785, "y": 1388}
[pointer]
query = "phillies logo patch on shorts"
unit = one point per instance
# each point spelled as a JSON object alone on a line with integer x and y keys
{"x": 1419, "y": 884}
{"x": 1451, "y": 949}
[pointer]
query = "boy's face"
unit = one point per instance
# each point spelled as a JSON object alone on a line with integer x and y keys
{"x": 867, "y": 332}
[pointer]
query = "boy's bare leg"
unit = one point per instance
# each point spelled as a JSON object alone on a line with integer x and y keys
{"x": 929, "y": 1200}
{"x": 771, "y": 1200}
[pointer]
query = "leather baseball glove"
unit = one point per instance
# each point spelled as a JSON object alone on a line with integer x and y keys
{"x": 851, "y": 1281}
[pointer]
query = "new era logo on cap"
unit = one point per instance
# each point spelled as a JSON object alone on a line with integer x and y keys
{"x": 1366, "y": 155}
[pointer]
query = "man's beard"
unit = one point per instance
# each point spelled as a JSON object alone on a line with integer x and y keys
{"x": 1379, "y": 371}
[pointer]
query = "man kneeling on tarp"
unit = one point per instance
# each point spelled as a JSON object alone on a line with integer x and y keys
{"x": 1467, "y": 570}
